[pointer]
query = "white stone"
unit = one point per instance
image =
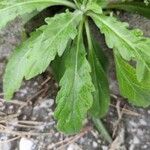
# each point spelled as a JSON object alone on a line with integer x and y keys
{"x": 139, "y": 132}
{"x": 73, "y": 147}
{"x": 136, "y": 140}
{"x": 104, "y": 148}
{"x": 95, "y": 145}
{"x": 143, "y": 122}
{"x": 25, "y": 144}
{"x": 4, "y": 145}
{"x": 132, "y": 123}
{"x": 148, "y": 111}
{"x": 132, "y": 147}
{"x": 47, "y": 103}
{"x": 145, "y": 146}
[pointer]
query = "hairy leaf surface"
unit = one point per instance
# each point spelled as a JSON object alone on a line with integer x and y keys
{"x": 75, "y": 97}
{"x": 137, "y": 93}
{"x": 10, "y": 9}
{"x": 34, "y": 56}
{"x": 129, "y": 43}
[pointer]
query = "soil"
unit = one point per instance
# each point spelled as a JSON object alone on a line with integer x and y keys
{"x": 27, "y": 122}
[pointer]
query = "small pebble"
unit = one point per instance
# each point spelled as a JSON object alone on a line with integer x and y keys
{"x": 136, "y": 140}
{"x": 94, "y": 144}
{"x": 143, "y": 122}
{"x": 25, "y": 144}
{"x": 104, "y": 148}
{"x": 73, "y": 147}
{"x": 145, "y": 146}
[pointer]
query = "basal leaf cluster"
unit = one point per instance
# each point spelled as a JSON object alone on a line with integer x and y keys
{"x": 67, "y": 44}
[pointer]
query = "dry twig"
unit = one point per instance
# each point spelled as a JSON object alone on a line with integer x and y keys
{"x": 10, "y": 140}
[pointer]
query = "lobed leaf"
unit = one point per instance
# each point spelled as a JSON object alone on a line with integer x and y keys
{"x": 129, "y": 43}
{"x": 75, "y": 96}
{"x": 10, "y": 9}
{"x": 34, "y": 56}
{"x": 58, "y": 64}
{"x": 137, "y": 93}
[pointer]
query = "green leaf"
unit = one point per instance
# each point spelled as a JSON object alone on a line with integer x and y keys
{"x": 10, "y": 9}
{"x": 75, "y": 96}
{"x": 102, "y": 3}
{"x": 94, "y": 7}
{"x": 102, "y": 129}
{"x": 26, "y": 17}
{"x": 101, "y": 95}
{"x": 129, "y": 43}
{"x": 101, "y": 98}
{"x": 136, "y": 92}
{"x": 100, "y": 54}
{"x": 58, "y": 65}
{"x": 135, "y": 7}
{"x": 34, "y": 56}
{"x": 140, "y": 71}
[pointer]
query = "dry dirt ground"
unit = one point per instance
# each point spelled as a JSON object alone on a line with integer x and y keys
{"x": 27, "y": 121}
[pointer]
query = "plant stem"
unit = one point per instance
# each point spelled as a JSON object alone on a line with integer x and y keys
{"x": 101, "y": 128}
{"x": 76, "y": 3}
{"x": 90, "y": 1}
{"x": 67, "y": 3}
{"x": 97, "y": 122}
{"x": 90, "y": 45}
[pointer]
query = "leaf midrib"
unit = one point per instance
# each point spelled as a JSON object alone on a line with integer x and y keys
{"x": 122, "y": 72}
{"x": 62, "y": 29}
{"x": 75, "y": 75}
{"x": 24, "y": 56}
{"x": 125, "y": 40}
